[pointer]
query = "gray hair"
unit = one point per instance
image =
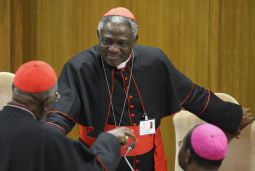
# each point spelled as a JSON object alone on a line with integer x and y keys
{"x": 119, "y": 20}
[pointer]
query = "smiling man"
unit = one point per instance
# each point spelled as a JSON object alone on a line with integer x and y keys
{"x": 119, "y": 83}
{"x": 116, "y": 41}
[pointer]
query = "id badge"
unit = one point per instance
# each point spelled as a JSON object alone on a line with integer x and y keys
{"x": 147, "y": 127}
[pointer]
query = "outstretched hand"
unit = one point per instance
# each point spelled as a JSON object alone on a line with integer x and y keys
{"x": 123, "y": 134}
{"x": 247, "y": 118}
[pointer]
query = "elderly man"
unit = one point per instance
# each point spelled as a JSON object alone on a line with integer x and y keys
{"x": 29, "y": 145}
{"x": 119, "y": 83}
{"x": 203, "y": 148}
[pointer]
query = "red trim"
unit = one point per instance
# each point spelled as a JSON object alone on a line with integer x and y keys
{"x": 108, "y": 113}
{"x": 101, "y": 163}
{"x": 206, "y": 105}
{"x": 187, "y": 97}
{"x": 138, "y": 91}
{"x": 129, "y": 114}
{"x": 83, "y": 131}
{"x": 58, "y": 126}
{"x": 110, "y": 103}
{"x": 160, "y": 162}
{"x": 62, "y": 113}
{"x": 144, "y": 144}
{"x": 124, "y": 85}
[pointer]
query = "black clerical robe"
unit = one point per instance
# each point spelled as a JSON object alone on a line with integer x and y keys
{"x": 157, "y": 89}
{"x": 29, "y": 145}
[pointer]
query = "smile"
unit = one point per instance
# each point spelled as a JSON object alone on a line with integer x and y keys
{"x": 113, "y": 57}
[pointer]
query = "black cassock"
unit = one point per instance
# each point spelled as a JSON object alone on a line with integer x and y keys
{"x": 157, "y": 88}
{"x": 29, "y": 145}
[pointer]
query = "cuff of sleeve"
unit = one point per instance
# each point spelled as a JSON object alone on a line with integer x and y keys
{"x": 107, "y": 150}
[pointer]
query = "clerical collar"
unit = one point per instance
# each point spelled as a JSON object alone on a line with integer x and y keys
{"x": 123, "y": 64}
{"x": 22, "y": 108}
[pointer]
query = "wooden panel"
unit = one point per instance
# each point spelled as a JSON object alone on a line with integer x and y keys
{"x": 180, "y": 29}
{"x": 214, "y": 45}
{"x": 237, "y": 53}
{"x": 17, "y": 34}
{"x": 5, "y": 35}
{"x": 211, "y": 41}
{"x": 193, "y": 38}
{"x": 251, "y": 62}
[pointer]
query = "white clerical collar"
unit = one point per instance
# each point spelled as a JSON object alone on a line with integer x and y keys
{"x": 123, "y": 64}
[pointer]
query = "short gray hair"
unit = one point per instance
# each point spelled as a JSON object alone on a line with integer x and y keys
{"x": 118, "y": 20}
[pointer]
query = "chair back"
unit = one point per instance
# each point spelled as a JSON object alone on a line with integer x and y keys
{"x": 241, "y": 151}
{"x": 6, "y": 79}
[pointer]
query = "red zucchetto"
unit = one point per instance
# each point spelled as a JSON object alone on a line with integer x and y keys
{"x": 120, "y": 11}
{"x": 35, "y": 77}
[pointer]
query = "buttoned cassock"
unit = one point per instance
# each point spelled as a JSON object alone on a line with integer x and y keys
{"x": 157, "y": 88}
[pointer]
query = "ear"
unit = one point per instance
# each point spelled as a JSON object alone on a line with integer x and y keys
{"x": 184, "y": 157}
{"x": 187, "y": 157}
{"x": 97, "y": 33}
{"x": 135, "y": 41}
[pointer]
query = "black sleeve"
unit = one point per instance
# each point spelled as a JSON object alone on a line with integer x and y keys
{"x": 212, "y": 109}
{"x": 107, "y": 149}
{"x": 61, "y": 122}
{"x": 205, "y": 104}
{"x": 65, "y": 154}
{"x": 66, "y": 111}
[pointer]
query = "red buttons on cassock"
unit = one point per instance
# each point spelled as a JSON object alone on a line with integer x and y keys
{"x": 126, "y": 78}
{"x": 131, "y": 97}
{"x": 122, "y": 69}
{"x": 132, "y": 115}
{"x": 131, "y": 106}
{"x": 137, "y": 161}
{"x": 136, "y": 169}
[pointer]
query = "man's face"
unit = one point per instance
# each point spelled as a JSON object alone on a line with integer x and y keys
{"x": 116, "y": 43}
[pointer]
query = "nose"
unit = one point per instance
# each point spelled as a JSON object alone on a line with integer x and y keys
{"x": 114, "y": 48}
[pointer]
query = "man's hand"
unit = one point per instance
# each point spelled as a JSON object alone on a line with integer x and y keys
{"x": 248, "y": 118}
{"x": 123, "y": 134}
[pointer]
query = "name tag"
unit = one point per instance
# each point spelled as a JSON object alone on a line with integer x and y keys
{"x": 147, "y": 127}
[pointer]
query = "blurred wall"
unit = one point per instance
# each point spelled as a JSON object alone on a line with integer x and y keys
{"x": 211, "y": 41}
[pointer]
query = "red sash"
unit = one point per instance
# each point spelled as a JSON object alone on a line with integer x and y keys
{"x": 145, "y": 144}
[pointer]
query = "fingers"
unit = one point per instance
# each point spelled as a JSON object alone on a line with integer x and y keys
{"x": 123, "y": 134}
{"x": 123, "y": 140}
{"x": 246, "y": 110}
{"x": 248, "y": 117}
{"x": 129, "y": 133}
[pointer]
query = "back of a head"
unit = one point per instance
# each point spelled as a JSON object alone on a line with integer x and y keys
{"x": 35, "y": 77}
{"x": 35, "y": 86}
{"x": 208, "y": 146}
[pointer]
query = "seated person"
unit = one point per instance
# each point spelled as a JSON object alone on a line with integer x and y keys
{"x": 203, "y": 148}
{"x": 28, "y": 144}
